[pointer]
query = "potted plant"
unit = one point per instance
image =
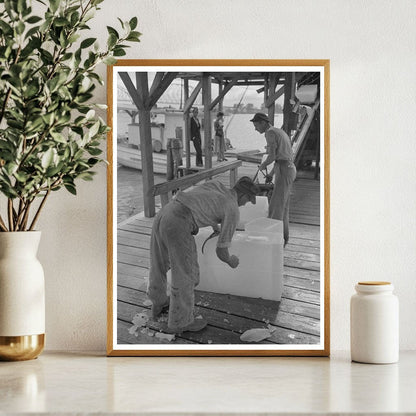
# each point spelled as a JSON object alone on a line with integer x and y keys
{"x": 50, "y": 137}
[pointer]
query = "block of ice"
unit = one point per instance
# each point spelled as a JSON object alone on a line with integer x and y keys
{"x": 250, "y": 211}
{"x": 260, "y": 272}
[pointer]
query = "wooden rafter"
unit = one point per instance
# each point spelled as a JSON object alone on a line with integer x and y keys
{"x": 156, "y": 82}
{"x": 160, "y": 89}
{"x": 190, "y": 101}
{"x": 271, "y": 99}
{"x": 134, "y": 93}
{"x": 224, "y": 92}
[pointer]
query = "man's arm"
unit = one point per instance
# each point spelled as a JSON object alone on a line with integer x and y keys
{"x": 224, "y": 255}
{"x": 271, "y": 150}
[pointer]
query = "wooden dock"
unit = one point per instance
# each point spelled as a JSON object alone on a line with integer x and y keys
{"x": 295, "y": 320}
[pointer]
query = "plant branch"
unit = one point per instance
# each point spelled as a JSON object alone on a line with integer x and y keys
{"x": 39, "y": 210}
{"x": 2, "y": 225}
{"x": 37, "y": 144}
{"x": 9, "y": 91}
{"x": 10, "y": 213}
{"x": 26, "y": 216}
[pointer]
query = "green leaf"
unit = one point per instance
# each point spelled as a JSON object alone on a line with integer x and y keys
{"x": 112, "y": 41}
{"x": 133, "y": 23}
{"x": 11, "y": 168}
{"x": 21, "y": 6}
{"x": 94, "y": 129}
{"x": 21, "y": 177}
{"x": 90, "y": 115}
{"x": 47, "y": 158}
{"x": 7, "y": 29}
{"x": 110, "y": 60}
{"x": 61, "y": 21}
{"x": 74, "y": 18}
{"x": 31, "y": 31}
{"x": 86, "y": 176}
{"x": 73, "y": 38}
{"x": 20, "y": 27}
{"x": 87, "y": 42}
{"x": 94, "y": 151}
{"x": 33, "y": 19}
{"x": 54, "y": 4}
{"x": 71, "y": 188}
{"x": 119, "y": 52}
{"x": 112, "y": 31}
{"x": 58, "y": 137}
{"x": 133, "y": 38}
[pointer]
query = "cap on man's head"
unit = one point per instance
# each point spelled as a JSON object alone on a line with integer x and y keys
{"x": 260, "y": 117}
{"x": 220, "y": 113}
{"x": 245, "y": 185}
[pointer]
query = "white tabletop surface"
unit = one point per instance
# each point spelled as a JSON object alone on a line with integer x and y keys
{"x": 85, "y": 383}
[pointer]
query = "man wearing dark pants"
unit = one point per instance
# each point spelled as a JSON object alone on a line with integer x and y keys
{"x": 196, "y": 136}
{"x": 173, "y": 246}
{"x": 279, "y": 151}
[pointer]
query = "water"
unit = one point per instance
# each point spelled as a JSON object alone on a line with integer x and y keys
{"x": 240, "y": 130}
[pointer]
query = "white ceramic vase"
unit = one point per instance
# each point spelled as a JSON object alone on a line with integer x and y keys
{"x": 22, "y": 296}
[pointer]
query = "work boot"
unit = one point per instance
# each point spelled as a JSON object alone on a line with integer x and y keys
{"x": 195, "y": 326}
{"x": 159, "y": 309}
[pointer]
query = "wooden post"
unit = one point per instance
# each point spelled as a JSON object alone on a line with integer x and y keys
{"x": 169, "y": 161}
{"x": 187, "y": 125}
{"x": 206, "y": 98}
{"x": 289, "y": 95}
{"x": 221, "y": 103}
{"x": 272, "y": 106}
{"x": 146, "y": 147}
{"x": 233, "y": 177}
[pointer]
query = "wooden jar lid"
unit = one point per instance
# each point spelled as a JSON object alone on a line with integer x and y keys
{"x": 374, "y": 283}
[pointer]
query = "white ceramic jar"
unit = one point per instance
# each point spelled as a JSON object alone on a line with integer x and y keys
{"x": 374, "y": 323}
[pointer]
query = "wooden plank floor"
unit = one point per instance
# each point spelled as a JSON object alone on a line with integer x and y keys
{"x": 295, "y": 319}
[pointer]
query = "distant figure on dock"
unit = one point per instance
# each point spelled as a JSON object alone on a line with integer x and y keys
{"x": 173, "y": 246}
{"x": 196, "y": 136}
{"x": 219, "y": 137}
{"x": 279, "y": 151}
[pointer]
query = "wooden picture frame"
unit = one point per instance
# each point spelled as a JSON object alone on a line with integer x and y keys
{"x": 298, "y": 324}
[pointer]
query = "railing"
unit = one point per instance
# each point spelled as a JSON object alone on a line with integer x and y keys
{"x": 164, "y": 189}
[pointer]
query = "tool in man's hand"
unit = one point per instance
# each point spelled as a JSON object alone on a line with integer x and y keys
{"x": 214, "y": 234}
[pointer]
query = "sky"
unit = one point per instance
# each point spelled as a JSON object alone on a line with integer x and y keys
{"x": 172, "y": 95}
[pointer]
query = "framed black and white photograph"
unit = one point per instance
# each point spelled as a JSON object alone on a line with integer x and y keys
{"x": 218, "y": 207}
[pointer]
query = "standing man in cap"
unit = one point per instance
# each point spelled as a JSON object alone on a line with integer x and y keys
{"x": 172, "y": 245}
{"x": 279, "y": 151}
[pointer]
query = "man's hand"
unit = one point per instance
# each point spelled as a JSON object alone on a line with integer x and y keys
{"x": 233, "y": 261}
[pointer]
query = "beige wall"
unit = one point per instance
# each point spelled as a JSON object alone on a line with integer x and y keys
{"x": 373, "y": 146}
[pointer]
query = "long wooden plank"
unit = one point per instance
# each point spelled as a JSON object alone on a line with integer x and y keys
{"x": 129, "y": 253}
{"x": 302, "y": 248}
{"x": 307, "y": 284}
{"x": 189, "y": 180}
{"x": 136, "y": 281}
{"x": 300, "y": 308}
{"x": 301, "y": 295}
{"x": 130, "y": 280}
{"x": 238, "y": 323}
{"x": 301, "y": 273}
{"x": 145, "y": 262}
